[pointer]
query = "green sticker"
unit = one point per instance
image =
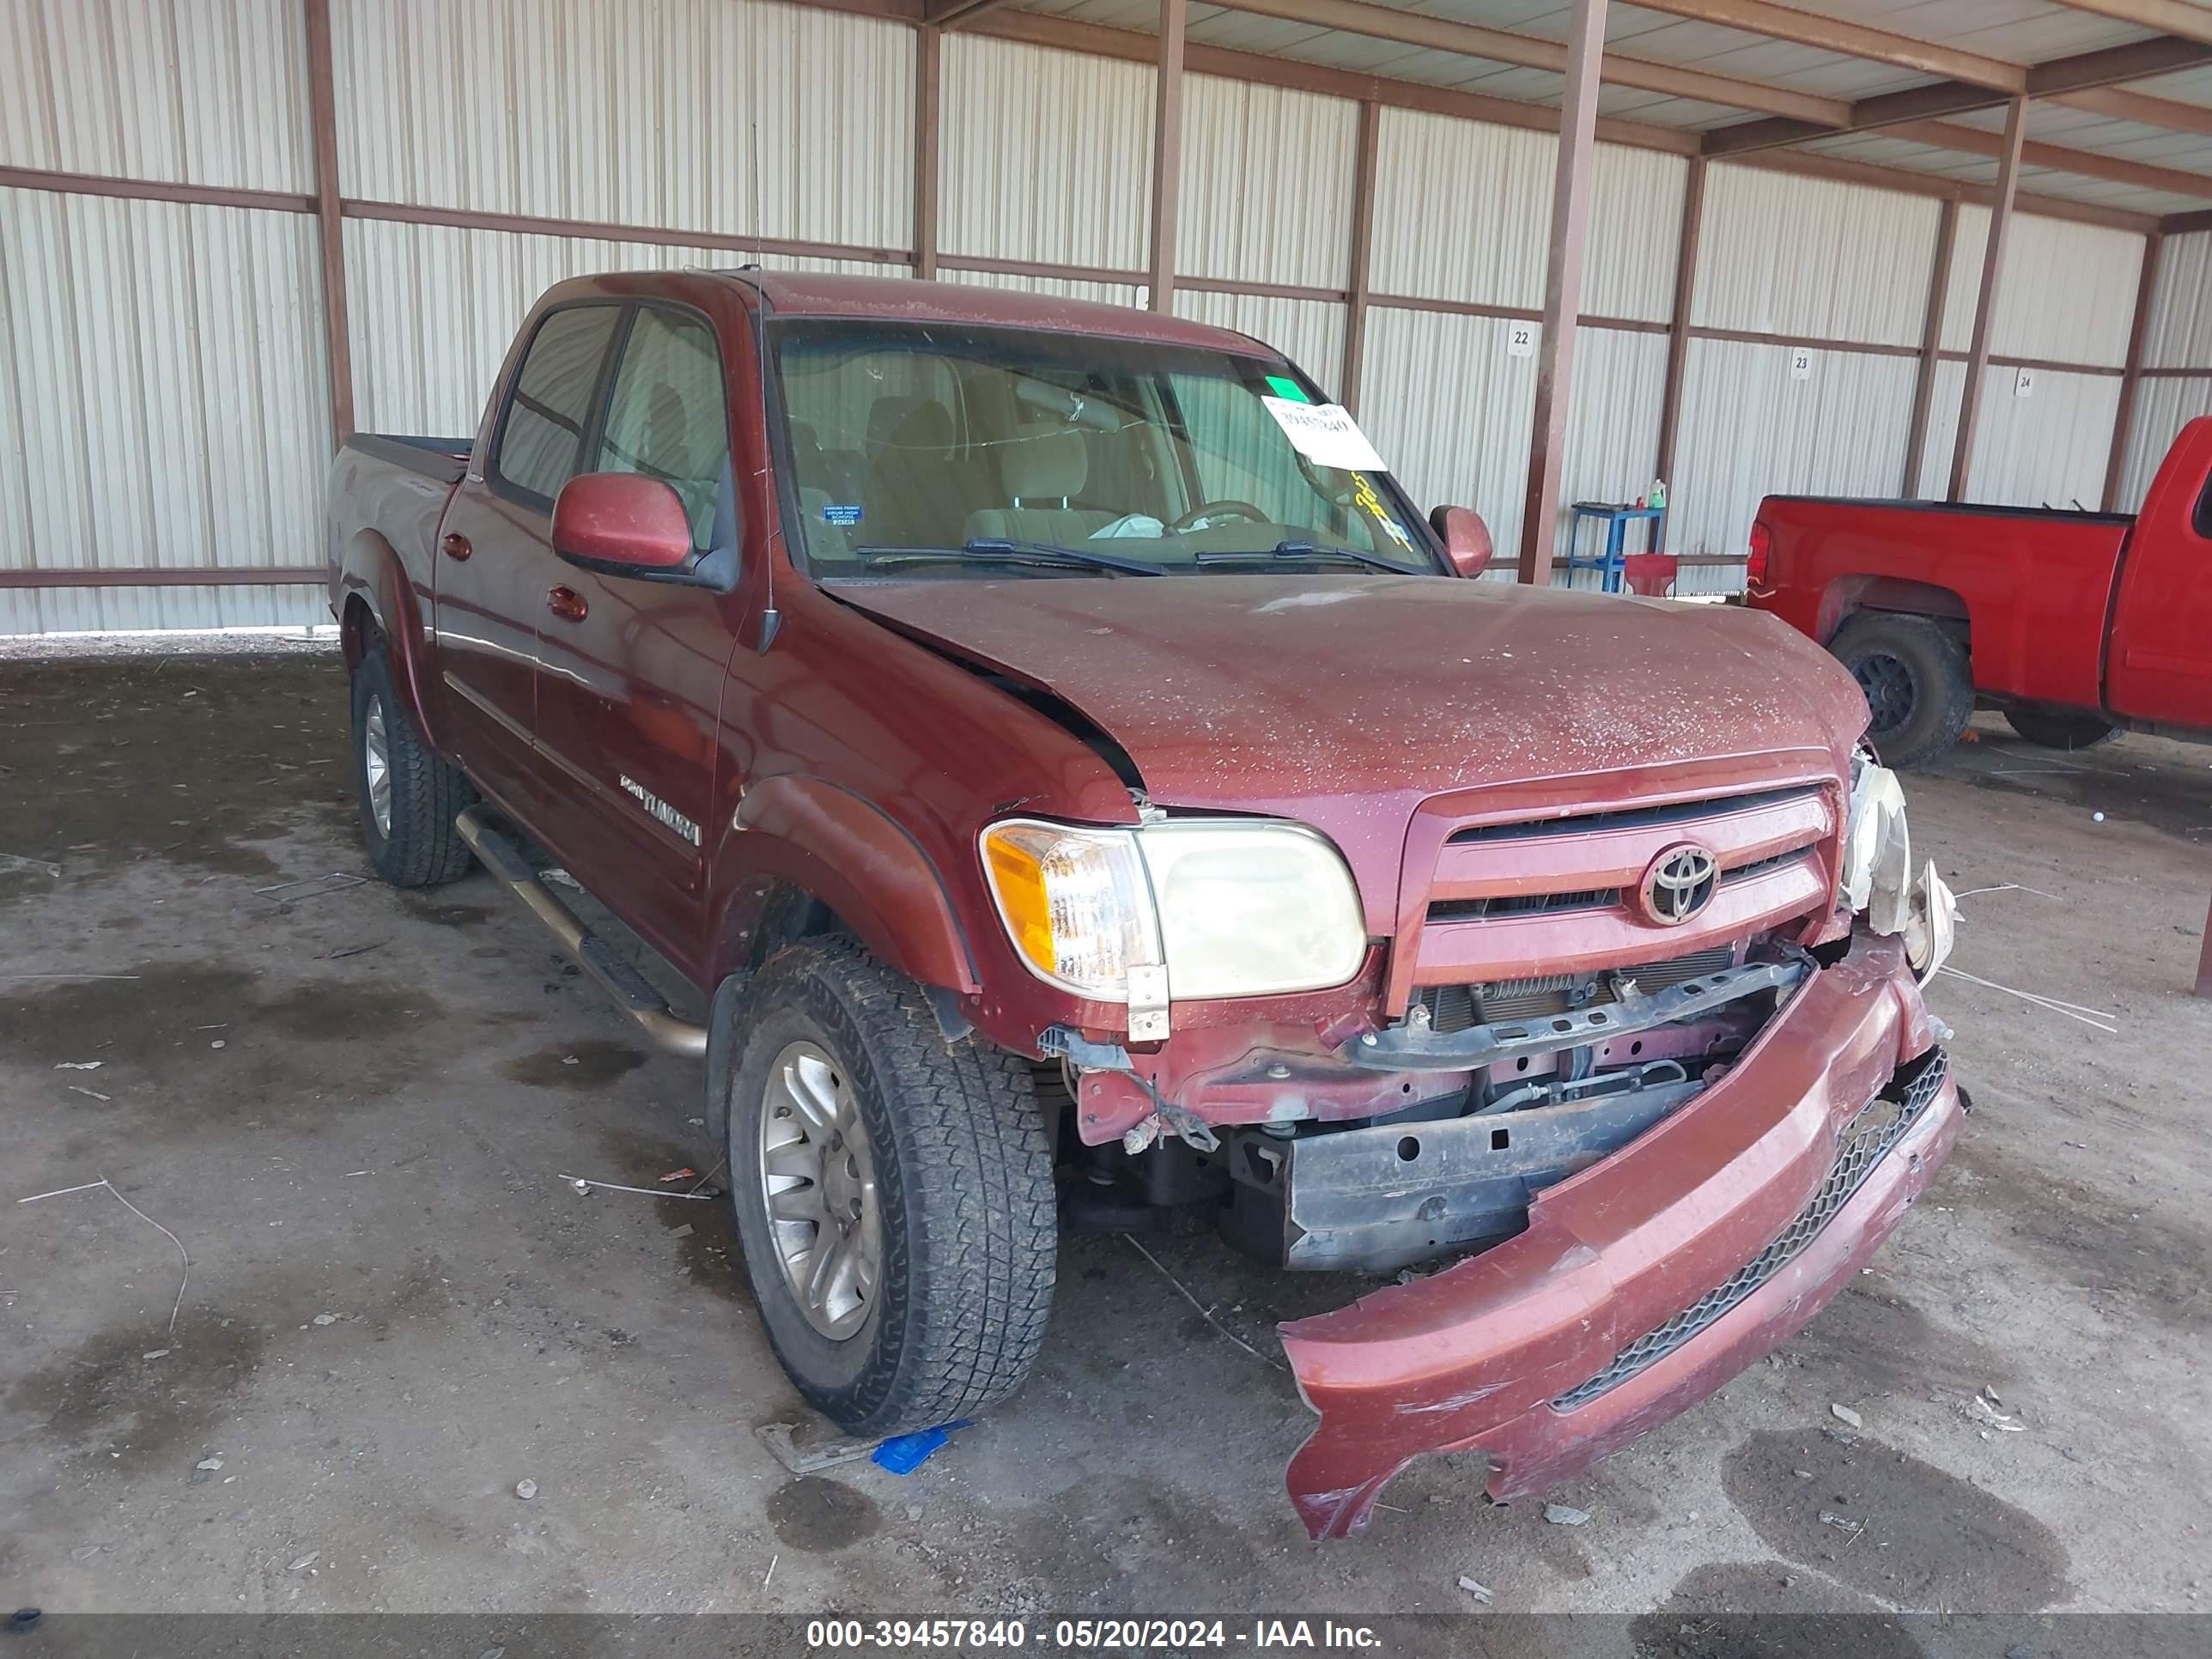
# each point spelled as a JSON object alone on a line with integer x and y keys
{"x": 1287, "y": 389}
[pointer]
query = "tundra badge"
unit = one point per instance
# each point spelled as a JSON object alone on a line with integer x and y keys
{"x": 661, "y": 810}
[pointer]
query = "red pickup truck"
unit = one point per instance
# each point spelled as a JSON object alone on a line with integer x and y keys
{"x": 2075, "y": 624}
{"x": 1065, "y": 783}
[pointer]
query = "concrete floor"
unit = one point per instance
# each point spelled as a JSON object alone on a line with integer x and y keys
{"x": 355, "y": 1106}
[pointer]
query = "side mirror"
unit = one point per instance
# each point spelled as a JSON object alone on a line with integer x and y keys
{"x": 622, "y": 524}
{"x": 1465, "y": 537}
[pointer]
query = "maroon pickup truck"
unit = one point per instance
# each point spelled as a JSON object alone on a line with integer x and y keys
{"x": 1065, "y": 783}
{"x": 2077, "y": 625}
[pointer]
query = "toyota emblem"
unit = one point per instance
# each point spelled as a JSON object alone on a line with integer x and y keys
{"x": 1680, "y": 884}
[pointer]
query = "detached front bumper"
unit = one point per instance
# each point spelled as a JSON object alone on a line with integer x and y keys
{"x": 1648, "y": 1279}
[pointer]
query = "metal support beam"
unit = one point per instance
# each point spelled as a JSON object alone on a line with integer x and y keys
{"x": 1167, "y": 153}
{"x": 1563, "y": 289}
{"x": 1678, "y": 331}
{"x": 928, "y": 76}
{"x": 1526, "y": 51}
{"x": 2167, "y": 16}
{"x": 1808, "y": 29}
{"x": 2084, "y": 164}
{"x": 2160, "y": 55}
{"x": 2123, "y": 418}
{"x": 1359, "y": 281}
{"x": 1977, "y": 355}
{"x": 329, "y": 224}
{"x": 1931, "y": 348}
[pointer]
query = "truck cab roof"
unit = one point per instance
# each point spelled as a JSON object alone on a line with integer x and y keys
{"x": 902, "y": 300}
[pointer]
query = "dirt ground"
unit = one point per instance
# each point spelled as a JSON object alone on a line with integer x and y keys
{"x": 356, "y": 1109}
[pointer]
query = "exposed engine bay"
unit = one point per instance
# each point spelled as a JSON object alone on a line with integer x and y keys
{"x": 1579, "y": 1066}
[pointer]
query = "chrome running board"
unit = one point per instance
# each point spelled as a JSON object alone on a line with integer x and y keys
{"x": 644, "y": 1006}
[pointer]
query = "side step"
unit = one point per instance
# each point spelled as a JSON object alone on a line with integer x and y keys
{"x": 622, "y": 982}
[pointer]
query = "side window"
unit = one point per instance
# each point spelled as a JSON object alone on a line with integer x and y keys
{"x": 2202, "y": 521}
{"x": 666, "y": 416}
{"x": 551, "y": 404}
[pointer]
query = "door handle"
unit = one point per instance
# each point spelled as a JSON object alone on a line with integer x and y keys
{"x": 567, "y": 604}
{"x": 457, "y": 545}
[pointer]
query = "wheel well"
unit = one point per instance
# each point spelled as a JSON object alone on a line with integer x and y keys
{"x": 788, "y": 913}
{"x": 1849, "y": 595}
{"x": 357, "y": 630}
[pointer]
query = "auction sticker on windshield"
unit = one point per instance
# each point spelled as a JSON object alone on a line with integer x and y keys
{"x": 1326, "y": 435}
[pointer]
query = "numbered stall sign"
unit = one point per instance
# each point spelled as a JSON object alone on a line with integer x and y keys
{"x": 1801, "y": 363}
{"x": 1520, "y": 339}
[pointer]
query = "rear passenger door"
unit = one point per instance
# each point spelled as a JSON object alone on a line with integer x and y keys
{"x": 494, "y": 564}
{"x": 631, "y": 670}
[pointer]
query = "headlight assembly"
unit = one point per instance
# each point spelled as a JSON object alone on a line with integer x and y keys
{"x": 1191, "y": 910}
{"x": 1877, "y": 847}
{"x": 1877, "y": 870}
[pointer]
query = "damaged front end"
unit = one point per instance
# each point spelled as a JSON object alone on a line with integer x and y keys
{"x": 1645, "y": 1281}
{"x": 1656, "y": 1070}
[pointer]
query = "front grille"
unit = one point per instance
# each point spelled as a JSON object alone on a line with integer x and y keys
{"x": 1864, "y": 1142}
{"x": 1456, "y": 1007}
{"x": 1760, "y": 867}
{"x": 1634, "y": 817}
{"x": 1522, "y": 904}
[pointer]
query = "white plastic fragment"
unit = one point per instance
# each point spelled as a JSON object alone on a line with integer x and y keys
{"x": 1479, "y": 1592}
{"x": 1845, "y": 1414}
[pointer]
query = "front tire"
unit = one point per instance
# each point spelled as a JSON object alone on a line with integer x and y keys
{"x": 408, "y": 796}
{"x": 1919, "y": 688}
{"x": 894, "y": 1194}
{"x": 2059, "y": 728}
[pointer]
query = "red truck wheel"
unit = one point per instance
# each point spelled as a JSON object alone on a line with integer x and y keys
{"x": 1919, "y": 689}
{"x": 894, "y": 1194}
{"x": 408, "y": 796}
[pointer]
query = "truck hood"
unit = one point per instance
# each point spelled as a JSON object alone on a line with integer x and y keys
{"x": 1343, "y": 702}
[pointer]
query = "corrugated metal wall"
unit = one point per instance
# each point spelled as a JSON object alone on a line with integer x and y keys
{"x": 1266, "y": 184}
{"x": 162, "y": 383}
{"x": 685, "y": 114}
{"x": 734, "y": 117}
{"x": 2068, "y": 295}
{"x": 1750, "y": 427}
{"x": 1467, "y": 209}
{"x": 2178, "y": 337}
{"x": 179, "y": 91}
{"x": 1047, "y": 157}
{"x": 1782, "y": 254}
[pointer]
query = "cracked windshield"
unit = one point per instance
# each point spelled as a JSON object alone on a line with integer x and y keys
{"x": 952, "y": 451}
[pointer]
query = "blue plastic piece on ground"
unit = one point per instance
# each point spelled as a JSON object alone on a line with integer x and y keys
{"x": 903, "y": 1454}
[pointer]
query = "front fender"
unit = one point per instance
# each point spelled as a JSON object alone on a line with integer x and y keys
{"x": 829, "y": 842}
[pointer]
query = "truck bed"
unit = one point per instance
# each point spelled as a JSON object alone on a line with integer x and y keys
{"x": 443, "y": 458}
{"x": 2036, "y": 581}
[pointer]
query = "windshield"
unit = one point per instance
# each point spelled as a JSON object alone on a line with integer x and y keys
{"x": 940, "y": 450}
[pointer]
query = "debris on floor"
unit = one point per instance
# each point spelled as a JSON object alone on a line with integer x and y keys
{"x": 903, "y": 1454}
{"x": 1845, "y": 1414}
{"x": 1479, "y": 1592}
{"x": 1563, "y": 1515}
{"x": 1829, "y": 1518}
{"x": 810, "y": 1447}
{"x": 587, "y": 1187}
{"x": 183, "y": 1254}
{"x": 526, "y": 1490}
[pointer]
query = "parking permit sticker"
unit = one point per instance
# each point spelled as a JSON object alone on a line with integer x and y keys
{"x": 1326, "y": 435}
{"x": 840, "y": 513}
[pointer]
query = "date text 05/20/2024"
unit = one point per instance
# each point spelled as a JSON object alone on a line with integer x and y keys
{"x": 1086, "y": 1635}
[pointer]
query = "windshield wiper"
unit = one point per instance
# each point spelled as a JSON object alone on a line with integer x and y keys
{"x": 998, "y": 550}
{"x": 1305, "y": 550}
